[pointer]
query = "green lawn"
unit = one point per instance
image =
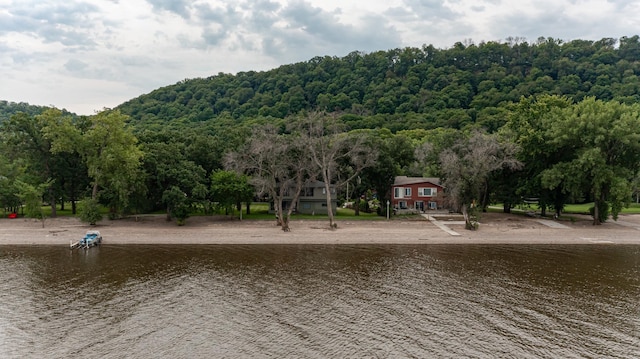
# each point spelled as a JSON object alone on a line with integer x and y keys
{"x": 583, "y": 208}
{"x": 260, "y": 211}
{"x": 634, "y": 208}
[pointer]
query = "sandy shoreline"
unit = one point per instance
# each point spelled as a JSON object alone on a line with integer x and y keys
{"x": 494, "y": 229}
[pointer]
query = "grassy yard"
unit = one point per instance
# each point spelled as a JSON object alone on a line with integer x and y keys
{"x": 583, "y": 208}
{"x": 259, "y": 211}
{"x": 634, "y": 208}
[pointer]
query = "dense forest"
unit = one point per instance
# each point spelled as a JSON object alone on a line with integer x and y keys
{"x": 408, "y": 88}
{"x": 498, "y": 122}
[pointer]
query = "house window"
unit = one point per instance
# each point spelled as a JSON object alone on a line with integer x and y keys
{"x": 426, "y": 192}
{"x": 397, "y": 192}
{"x": 407, "y": 192}
{"x": 433, "y": 205}
{"x": 402, "y": 205}
{"x": 307, "y": 192}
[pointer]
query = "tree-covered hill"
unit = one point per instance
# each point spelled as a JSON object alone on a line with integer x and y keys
{"x": 408, "y": 88}
{"x": 8, "y": 109}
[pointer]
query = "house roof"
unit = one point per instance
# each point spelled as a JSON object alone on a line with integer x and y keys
{"x": 404, "y": 180}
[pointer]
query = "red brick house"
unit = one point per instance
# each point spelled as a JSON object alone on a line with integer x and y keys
{"x": 416, "y": 194}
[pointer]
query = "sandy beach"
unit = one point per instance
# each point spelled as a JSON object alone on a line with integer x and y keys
{"x": 494, "y": 228}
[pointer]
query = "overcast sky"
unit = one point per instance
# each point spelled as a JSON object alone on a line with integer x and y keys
{"x": 85, "y": 55}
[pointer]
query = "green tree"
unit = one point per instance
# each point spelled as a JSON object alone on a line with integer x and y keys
{"x": 528, "y": 127}
{"x": 178, "y": 204}
{"x": 230, "y": 189}
{"x": 166, "y": 165}
{"x": 89, "y": 211}
{"x": 108, "y": 148}
{"x": 395, "y": 153}
{"x": 25, "y": 140}
{"x": 604, "y": 141}
{"x": 31, "y": 196}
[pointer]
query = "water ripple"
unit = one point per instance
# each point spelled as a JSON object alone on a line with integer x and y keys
{"x": 320, "y": 301}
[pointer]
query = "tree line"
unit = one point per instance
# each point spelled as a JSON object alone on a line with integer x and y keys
{"x": 550, "y": 148}
{"x": 408, "y": 88}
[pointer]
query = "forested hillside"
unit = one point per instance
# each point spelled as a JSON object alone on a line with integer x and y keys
{"x": 408, "y": 88}
{"x": 496, "y": 122}
{"x": 8, "y": 109}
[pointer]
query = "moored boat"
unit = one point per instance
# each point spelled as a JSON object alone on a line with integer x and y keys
{"x": 92, "y": 238}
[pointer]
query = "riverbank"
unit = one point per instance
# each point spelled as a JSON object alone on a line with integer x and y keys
{"x": 494, "y": 228}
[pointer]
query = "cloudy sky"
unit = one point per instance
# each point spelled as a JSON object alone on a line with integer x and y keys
{"x": 84, "y": 55}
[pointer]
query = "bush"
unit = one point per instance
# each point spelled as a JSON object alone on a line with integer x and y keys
{"x": 89, "y": 211}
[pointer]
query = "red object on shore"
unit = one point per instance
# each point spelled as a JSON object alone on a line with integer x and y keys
{"x": 13, "y": 215}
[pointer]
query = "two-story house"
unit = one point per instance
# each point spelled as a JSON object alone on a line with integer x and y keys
{"x": 416, "y": 194}
{"x": 312, "y": 199}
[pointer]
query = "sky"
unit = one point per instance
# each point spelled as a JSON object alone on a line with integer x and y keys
{"x": 87, "y": 55}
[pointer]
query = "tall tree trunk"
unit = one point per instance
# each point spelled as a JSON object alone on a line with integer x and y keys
{"x": 332, "y": 222}
{"x": 52, "y": 199}
{"x": 94, "y": 192}
{"x": 465, "y": 215}
{"x": 596, "y": 213}
{"x": 469, "y": 222}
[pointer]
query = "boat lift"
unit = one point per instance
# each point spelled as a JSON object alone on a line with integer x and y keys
{"x": 91, "y": 239}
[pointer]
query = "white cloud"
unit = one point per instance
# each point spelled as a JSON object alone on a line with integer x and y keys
{"x": 87, "y": 54}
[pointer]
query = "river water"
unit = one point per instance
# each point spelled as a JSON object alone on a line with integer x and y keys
{"x": 287, "y": 301}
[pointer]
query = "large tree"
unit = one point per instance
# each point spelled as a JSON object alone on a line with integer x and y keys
{"x": 395, "y": 153}
{"x": 277, "y": 166}
{"x": 25, "y": 140}
{"x": 229, "y": 188}
{"x": 466, "y": 168}
{"x": 603, "y": 139}
{"x": 528, "y": 126}
{"x": 329, "y": 146}
{"x": 107, "y": 146}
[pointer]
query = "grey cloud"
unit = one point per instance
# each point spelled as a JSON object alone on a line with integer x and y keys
{"x": 213, "y": 37}
{"x": 286, "y": 32}
{"x": 316, "y": 31}
{"x": 76, "y": 66}
{"x": 178, "y": 7}
{"x": 429, "y": 9}
{"x": 218, "y": 23}
{"x": 227, "y": 15}
{"x": 552, "y": 23}
{"x": 68, "y": 13}
{"x": 66, "y": 23}
{"x": 262, "y": 15}
{"x": 135, "y": 61}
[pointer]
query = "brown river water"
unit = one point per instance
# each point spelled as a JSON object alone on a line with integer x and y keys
{"x": 316, "y": 301}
